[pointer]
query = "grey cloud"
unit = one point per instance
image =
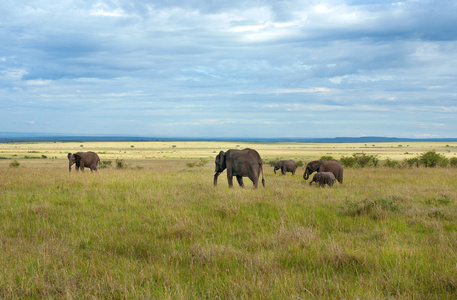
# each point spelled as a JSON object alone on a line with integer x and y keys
{"x": 252, "y": 65}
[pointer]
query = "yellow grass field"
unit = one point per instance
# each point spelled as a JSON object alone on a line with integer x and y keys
{"x": 147, "y": 153}
{"x": 158, "y": 229}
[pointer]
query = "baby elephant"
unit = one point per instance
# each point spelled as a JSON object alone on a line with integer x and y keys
{"x": 324, "y": 178}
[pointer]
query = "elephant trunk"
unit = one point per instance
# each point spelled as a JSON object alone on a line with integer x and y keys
{"x": 306, "y": 175}
{"x": 215, "y": 177}
{"x": 275, "y": 170}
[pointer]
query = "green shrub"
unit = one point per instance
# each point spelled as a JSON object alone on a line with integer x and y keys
{"x": 391, "y": 163}
{"x": 14, "y": 164}
{"x": 326, "y": 157}
{"x": 359, "y": 160}
{"x": 105, "y": 164}
{"x": 453, "y": 162}
{"x": 364, "y": 160}
{"x": 410, "y": 162}
{"x": 120, "y": 164}
{"x": 299, "y": 163}
{"x": 202, "y": 162}
{"x": 349, "y": 162}
{"x": 432, "y": 159}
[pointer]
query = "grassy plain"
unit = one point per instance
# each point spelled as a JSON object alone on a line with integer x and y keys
{"x": 159, "y": 229}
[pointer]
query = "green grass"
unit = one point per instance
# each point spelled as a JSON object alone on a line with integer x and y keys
{"x": 165, "y": 231}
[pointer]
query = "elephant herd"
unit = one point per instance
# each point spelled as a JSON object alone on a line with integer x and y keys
{"x": 247, "y": 163}
{"x": 241, "y": 163}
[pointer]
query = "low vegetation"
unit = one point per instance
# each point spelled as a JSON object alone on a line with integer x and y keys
{"x": 164, "y": 231}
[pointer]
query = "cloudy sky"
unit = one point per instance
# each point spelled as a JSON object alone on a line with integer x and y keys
{"x": 239, "y": 68}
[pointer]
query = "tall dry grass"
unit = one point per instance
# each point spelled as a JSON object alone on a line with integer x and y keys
{"x": 166, "y": 232}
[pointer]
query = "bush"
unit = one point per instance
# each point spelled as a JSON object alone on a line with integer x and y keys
{"x": 410, "y": 162}
{"x": 453, "y": 162}
{"x": 105, "y": 164}
{"x": 432, "y": 159}
{"x": 391, "y": 163}
{"x": 349, "y": 162}
{"x": 14, "y": 164}
{"x": 364, "y": 160}
{"x": 200, "y": 163}
{"x": 359, "y": 160}
{"x": 120, "y": 164}
{"x": 299, "y": 163}
{"x": 326, "y": 157}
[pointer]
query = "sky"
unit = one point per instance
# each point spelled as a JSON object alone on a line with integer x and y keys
{"x": 225, "y": 69}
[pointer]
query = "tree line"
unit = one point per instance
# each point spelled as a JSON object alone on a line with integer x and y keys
{"x": 428, "y": 159}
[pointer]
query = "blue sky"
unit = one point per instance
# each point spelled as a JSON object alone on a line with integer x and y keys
{"x": 235, "y": 68}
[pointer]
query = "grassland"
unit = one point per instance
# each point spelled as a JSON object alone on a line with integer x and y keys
{"x": 159, "y": 229}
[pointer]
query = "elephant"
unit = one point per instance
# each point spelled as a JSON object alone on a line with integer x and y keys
{"x": 333, "y": 166}
{"x": 83, "y": 159}
{"x": 239, "y": 163}
{"x": 324, "y": 178}
{"x": 286, "y": 166}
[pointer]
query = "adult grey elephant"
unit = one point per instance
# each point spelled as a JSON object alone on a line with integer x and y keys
{"x": 323, "y": 178}
{"x": 286, "y": 166}
{"x": 239, "y": 163}
{"x": 333, "y": 166}
{"x": 83, "y": 159}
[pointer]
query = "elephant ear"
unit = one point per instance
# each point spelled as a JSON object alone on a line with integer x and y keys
{"x": 220, "y": 158}
{"x": 69, "y": 154}
{"x": 77, "y": 157}
{"x": 317, "y": 165}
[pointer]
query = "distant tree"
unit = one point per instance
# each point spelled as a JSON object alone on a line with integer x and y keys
{"x": 432, "y": 159}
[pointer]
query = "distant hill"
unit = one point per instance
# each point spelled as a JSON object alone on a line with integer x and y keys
{"x": 12, "y": 137}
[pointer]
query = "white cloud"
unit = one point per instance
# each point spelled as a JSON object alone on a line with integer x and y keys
{"x": 13, "y": 74}
{"x": 423, "y": 125}
{"x": 102, "y": 9}
{"x": 38, "y": 82}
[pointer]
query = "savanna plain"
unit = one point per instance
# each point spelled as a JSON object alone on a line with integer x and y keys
{"x": 152, "y": 226}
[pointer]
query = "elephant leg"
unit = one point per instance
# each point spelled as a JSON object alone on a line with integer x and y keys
{"x": 240, "y": 180}
{"x": 230, "y": 180}
{"x": 283, "y": 171}
{"x": 255, "y": 180}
